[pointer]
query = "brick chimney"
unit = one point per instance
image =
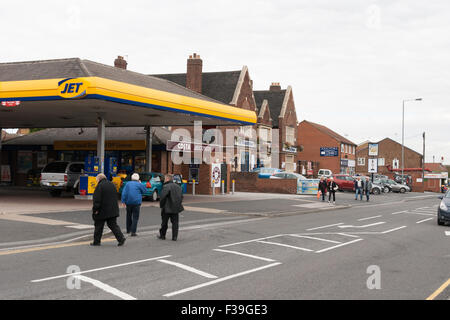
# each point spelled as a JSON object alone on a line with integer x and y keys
{"x": 275, "y": 86}
{"x": 194, "y": 73}
{"x": 120, "y": 63}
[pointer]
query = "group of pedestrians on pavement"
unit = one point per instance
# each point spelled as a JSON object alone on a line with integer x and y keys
{"x": 106, "y": 208}
{"x": 361, "y": 187}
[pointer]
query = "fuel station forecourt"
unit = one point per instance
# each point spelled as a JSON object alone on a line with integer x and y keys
{"x": 75, "y": 93}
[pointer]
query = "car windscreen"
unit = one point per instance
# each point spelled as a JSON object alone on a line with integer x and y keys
{"x": 56, "y": 167}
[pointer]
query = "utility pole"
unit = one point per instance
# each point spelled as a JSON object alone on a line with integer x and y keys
{"x": 423, "y": 164}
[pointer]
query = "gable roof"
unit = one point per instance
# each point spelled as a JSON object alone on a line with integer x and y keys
{"x": 435, "y": 167}
{"x": 76, "y": 68}
{"x": 220, "y": 86}
{"x": 330, "y": 132}
{"x": 275, "y": 100}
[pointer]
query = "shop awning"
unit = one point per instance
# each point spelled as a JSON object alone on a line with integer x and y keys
{"x": 74, "y": 92}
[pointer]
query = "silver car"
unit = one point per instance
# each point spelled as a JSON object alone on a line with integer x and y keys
{"x": 60, "y": 176}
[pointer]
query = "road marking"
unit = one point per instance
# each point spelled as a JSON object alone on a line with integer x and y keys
{"x": 439, "y": 291}
{"x": 80, "y": 226}
{"x": 99, "y": 269}
{"x": 427, "y": 219}
{"x": 330, "y": 225}
{"x": 369, "y": 218}
{"x": 399, "y": 212}
{"x": 348, "y": 235}
{"x": 188, "y": 268}
{"x": 422, "y": 214}
{"x": 248, "y": 241}
{"x": 364, "y": 226}
{"x": 339, "y": 245}
{"x": 392, "y": 230}
{"x": 106, "y": 288}
{"x": 447, "y": 233}
{"x": 220, "y": 280}
{"x": 36, "y": 220}
{"x": 285, "y": 245}
{"x": 246, "y": 255}
{"x": 313, "y": 238}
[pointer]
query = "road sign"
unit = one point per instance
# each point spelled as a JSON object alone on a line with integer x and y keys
{"x": 372, "y": 165}
{"x": 329, "y": 151}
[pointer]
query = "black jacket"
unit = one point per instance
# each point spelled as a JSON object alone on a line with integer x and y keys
{"x": 331, "y": 186}
{"x": 171, "y": 198}
{"x": 105, "y": 201}
{"x": 323, "y": 186}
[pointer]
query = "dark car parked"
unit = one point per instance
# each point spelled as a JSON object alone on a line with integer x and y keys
{"x": 443, "y": 214}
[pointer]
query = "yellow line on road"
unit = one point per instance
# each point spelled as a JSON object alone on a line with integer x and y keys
{"x": 439, "y": 291}
{"x": 56, "y": 246}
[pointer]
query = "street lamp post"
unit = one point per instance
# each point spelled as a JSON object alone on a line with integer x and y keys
{"x": 403, "y": 133}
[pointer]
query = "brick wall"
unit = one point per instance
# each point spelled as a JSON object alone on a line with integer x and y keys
{"x": 249, "y": 182}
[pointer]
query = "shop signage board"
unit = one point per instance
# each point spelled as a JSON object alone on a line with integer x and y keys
{"x": 307, "y": 186}
{"x": 372, "y": 165}
{"x": 216, "y": 174}
{"x": 110, "y": 145}
{"x": 373, "y": 149}
{"x": 182, "y": 146}
{"x": 329, "y": 151}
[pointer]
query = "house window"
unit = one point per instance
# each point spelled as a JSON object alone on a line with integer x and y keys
{"x": 361, "y": 161}
{"x": 346, "y": 148}
{"x": 263, "y": 134}
{"x": 290, "y": 135}
{"x": 354, "y": 149}
{"x": 342, "y": 148}
{"x": 381, "y": 161}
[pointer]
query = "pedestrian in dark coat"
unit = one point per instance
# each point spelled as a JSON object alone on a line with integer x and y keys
{"x": 323, "y": 187}
{"x": 332, "y": 188}
{"x": 367, "y": 188}
{"x": 105, "y": 209}
{"x": 171, "y": 199}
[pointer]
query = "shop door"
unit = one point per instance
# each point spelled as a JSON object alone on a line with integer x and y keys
{"x": 245, "y": 162}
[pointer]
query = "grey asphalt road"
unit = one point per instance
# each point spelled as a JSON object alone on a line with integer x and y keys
{"x": 327, "y": 254}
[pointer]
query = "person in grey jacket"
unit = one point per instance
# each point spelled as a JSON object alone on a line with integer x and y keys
{"x": 367, "y": 187}
{"x": 171, "y": 199}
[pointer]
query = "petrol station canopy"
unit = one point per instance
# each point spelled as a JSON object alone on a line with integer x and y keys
{"x": 75, "y": 93}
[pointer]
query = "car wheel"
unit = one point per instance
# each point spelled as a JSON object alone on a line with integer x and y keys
{"x": 439, "y": 221}
{"x": 402, "y": 190}
{"x": 155, "y": 195}
{"x": 386, "y": 190}
{"x": 376, "y": 191}
{"x": 55, "y": 193}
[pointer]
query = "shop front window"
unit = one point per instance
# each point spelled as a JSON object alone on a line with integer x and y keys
{"x": 139, "y": 162}
{"x": 126, "y": 162}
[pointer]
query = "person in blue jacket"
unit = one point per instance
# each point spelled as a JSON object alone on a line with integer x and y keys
{"x": 132, "y": 198}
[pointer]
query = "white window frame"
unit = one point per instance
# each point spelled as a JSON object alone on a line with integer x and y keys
{"x": 290, "y": 135}
{"x": 361, "y": 161}
{"x": 381, "y": 162}
{"x": 342, "y": 148}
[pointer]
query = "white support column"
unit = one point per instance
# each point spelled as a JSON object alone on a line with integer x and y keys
{"x": 148, "y": 148}
{"x": 101, "y": 143}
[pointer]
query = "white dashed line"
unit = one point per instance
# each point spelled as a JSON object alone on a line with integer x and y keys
{"x": 369, "y": 218}
{"x": 392, "y": 230}
{"x": 248, "y": 241}
{"x": 404, "y": 211}
{"x": 285, "y": 245}
{"x": 314, "y": 238}
{"x": 428, "y": 219}
{"x": 330, "y": 225}
{"x": 245, "y": 255}
{"x": 188, "y": 268}
{"x": 106, "y": 288}
{"x": 339, "y": 245}
{"x": 364, "y": 226}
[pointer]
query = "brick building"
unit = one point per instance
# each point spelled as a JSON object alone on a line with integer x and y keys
{"x": 284, "y": 118}
{"x": 389, "y": 157}
{"x": 322, "y": 148}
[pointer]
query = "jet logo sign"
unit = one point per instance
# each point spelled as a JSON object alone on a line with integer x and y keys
{"x": 72, "y": 88}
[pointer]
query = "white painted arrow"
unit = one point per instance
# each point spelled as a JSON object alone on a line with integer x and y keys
{"x": 447, "y": 233}
{"x": 364, "y": 226}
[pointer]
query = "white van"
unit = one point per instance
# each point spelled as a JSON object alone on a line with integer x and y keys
{"x": 324, "y": 173}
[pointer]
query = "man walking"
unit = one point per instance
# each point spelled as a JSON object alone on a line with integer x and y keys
{"x": 132, "y": 198}
{"x": 358, "y": 188}
{"x": 323, "y": 187}
{"x": 171, "y": 205}
{"x": 105, "y": 209}
{"x": 367, "y": 188}
{"x": 332, "y": 188}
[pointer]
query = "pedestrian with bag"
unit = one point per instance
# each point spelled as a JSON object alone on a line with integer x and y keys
{"x": 105, "y": 209}
{"x": 358, "y": 188}
{"x": 171, "y": 205}
{"x": 367, "y": 188}
{"x": 332, "y": 188}
{"x": 323, "y": 187}
{"x": 132, "y": 197}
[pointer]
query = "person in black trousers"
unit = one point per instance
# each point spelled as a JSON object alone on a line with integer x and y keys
{"x": 332, "y": 188}
{"x": 323, "y": 187}
{"x": 171, "y": 205}
{"x": 105, "y": 209}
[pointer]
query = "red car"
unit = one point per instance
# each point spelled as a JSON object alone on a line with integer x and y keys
{"x": 345, "y": 182}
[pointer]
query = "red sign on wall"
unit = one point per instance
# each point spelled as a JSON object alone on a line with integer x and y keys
{"x": 10, "y": 103}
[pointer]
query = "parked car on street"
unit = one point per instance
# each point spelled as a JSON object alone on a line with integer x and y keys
{"x": 265, "y": 173}
{"x": 443, "y": 214}
{"x": 153, "y": 181}
{"x": 324, "y": 173}
{"x": 287, "y": 175}
{"x": 60, "y": 176}
{"x": 344, "y": 181}
{"x": 390, "y": 185}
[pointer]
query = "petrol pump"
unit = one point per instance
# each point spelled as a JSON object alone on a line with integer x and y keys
{"x": 88, "y": 180}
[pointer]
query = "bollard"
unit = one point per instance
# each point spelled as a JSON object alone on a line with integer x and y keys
{"x": 223, "y": 186}
{"x": 232, "y": 189}
{"x": 193, "y": 187}
{"x": 214, "y": 187}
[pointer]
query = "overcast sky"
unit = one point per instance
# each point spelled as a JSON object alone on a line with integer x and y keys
{"x": 350, "y": 62}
